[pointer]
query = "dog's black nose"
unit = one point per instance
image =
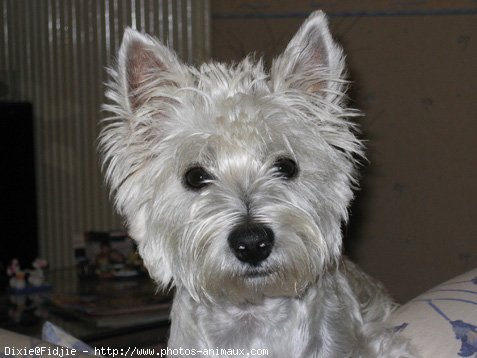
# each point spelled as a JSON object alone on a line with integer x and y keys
{"x": 251, "y": 243}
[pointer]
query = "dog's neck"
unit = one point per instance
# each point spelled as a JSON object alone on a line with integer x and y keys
{"x": 228, "y": 324}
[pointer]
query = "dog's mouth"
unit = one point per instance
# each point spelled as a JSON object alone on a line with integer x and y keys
{"x": 257, "y": 273}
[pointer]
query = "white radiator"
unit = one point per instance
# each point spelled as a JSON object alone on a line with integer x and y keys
{"x": 54, "y": 53}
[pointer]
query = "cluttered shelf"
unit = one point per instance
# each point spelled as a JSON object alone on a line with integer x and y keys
{"x": 109, "y": 308}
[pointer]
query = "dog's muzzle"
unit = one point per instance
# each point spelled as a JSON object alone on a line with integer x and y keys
{"x": 251, "y": 243}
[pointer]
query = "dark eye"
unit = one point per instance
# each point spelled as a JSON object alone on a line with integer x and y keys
{"x": 286, "y": 168}
{"x": 196, "y": 178}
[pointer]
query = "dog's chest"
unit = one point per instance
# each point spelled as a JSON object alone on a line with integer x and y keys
{"x": 269, "y": 329}
{"x": 275, "y": 326}
{"x": 251, "y": 326}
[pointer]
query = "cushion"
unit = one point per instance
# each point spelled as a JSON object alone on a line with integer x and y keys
{"x": 54, "y": 334}
{"x": 443, "y": 321}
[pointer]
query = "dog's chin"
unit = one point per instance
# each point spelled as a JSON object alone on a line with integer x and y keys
{"x": 255, "y": 284}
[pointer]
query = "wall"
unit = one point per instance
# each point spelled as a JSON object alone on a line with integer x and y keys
{"x": 414, "y": 70}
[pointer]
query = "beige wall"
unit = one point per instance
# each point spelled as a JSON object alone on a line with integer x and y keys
{"x": 414, "y": 67}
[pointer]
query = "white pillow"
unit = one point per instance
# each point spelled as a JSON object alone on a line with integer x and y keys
{"x": 442, "y": 322}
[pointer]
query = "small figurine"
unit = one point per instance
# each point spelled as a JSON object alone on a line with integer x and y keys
{"x": 37, "y": 277}
{"x": 27, "y": 281}
{"x": 17, "y": 276}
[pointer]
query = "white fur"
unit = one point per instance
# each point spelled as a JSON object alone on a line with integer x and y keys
{"x": 304, "y": 300}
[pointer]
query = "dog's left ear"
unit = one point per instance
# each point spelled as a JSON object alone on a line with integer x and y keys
{"x": 312, "y": 62}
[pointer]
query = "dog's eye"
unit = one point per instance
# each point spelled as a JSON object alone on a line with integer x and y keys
{"x": 196, "y": 178}
{"x": 286, "y": 168}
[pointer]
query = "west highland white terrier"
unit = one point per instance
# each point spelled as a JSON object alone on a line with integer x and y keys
{"x": 235, "y": 182}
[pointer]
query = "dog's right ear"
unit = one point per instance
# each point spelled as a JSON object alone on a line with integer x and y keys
{"x": 146, "y": 69}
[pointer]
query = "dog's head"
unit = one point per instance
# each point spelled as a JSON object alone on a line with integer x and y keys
{"x": 234, "y": 181}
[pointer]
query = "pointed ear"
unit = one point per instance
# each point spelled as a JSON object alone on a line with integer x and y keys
{"x": 312, "y": 61}
{"x": 145, "y": 65}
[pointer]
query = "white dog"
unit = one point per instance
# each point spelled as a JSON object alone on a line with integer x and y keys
{"x": 235, "y": 182}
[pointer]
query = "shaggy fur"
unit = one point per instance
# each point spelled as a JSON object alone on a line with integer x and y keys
{"x": 236, "y": 123}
